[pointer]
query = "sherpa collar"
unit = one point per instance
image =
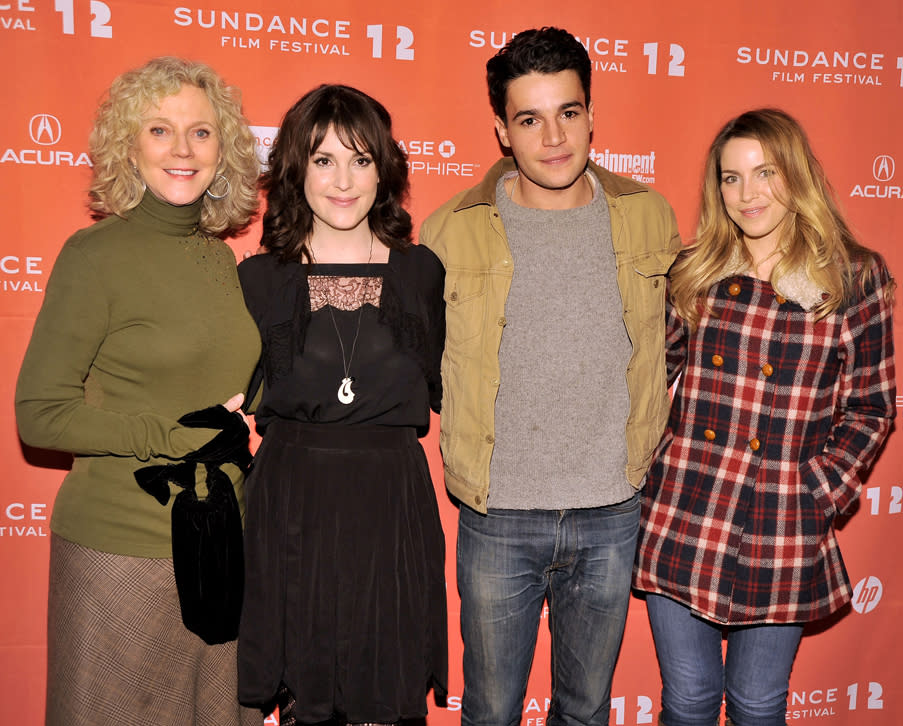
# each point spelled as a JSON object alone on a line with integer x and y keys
{"x": 794, "y": 285}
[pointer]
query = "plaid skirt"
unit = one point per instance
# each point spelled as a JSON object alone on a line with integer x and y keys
{"x": 118, "y": 652}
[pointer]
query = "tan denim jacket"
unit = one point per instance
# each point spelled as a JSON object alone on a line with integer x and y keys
{"x": 467, "y": 235}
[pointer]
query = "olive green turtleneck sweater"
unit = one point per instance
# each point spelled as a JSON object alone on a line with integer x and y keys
{"x": 143, "y": 320}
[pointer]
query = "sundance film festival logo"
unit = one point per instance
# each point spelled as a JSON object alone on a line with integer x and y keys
{"x": 23, "y": 519}
{"x": 22, "y": 21}
{"x": 867, "y": 594}
{"x": 883, "y": 171}
{"x": 826, "y": 66}
{"x": 21, "y": 274}
{"x": 45, "y": 132}
{"x": 608, "y": 54}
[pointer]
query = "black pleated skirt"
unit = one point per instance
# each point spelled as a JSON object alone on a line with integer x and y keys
{"x": 345, "y": 574}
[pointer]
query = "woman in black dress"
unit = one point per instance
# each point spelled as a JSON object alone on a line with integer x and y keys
{"x": 345, "y": 610}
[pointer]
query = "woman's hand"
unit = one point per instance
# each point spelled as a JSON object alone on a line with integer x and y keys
{"x": 259, "y": 251}
{"x": 234, "y": 405}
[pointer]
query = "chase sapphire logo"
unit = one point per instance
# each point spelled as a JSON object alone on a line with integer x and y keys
{"x": 45, "y": 129}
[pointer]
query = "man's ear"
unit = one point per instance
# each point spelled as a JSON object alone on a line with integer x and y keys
{"x": 501, "y": 128}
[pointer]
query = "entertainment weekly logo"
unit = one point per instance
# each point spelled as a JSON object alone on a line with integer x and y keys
{"x": 639, "y": 167}
{"x": 884, "y": 169}
{"x": 42, "y": 147}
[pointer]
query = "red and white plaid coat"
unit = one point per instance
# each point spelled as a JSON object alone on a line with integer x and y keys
{"x": 774, "y": 420}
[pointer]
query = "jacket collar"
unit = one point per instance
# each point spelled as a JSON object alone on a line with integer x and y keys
{"x": 794, "y": 285}
{"x": 484, "y": 192}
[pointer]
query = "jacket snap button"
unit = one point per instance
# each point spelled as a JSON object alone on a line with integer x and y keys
{"x": 781, "y": 299}
{"x": 709, "y": 434}
{"x": 717, "y": 360}
{"x": 734, "y": 289}
{"x": 453, "y": 297}
{"x": 755, "y": 444}
{"x": 767, "y": 369}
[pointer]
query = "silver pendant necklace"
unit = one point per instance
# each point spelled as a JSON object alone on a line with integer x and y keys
{"x": 345, "y": 394}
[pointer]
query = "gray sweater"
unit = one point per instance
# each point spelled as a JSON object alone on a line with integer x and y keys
{"x": 562, "y": 404}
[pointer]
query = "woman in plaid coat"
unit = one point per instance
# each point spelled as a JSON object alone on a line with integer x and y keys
{"x": 780, "y": 327}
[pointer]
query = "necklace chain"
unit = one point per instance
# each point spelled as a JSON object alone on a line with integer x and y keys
{"x": 345, "y": 394}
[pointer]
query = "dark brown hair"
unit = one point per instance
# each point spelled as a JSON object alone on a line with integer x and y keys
{"x": 362, "y": 124}
{"x": 546, "y": 50}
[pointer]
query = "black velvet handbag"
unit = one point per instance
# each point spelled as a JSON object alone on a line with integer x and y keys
{"x": 207, "y": 548}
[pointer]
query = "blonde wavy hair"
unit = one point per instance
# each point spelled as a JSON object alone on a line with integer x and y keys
{"x": 815, "y": 237}
{"x": 116, "y": 188}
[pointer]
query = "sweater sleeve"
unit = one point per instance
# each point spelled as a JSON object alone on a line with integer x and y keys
{"x": 51, "y": 407}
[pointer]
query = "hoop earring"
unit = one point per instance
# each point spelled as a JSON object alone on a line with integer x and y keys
{"x": 225, "y": 193}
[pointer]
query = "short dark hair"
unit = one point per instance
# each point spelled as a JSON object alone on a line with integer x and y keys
{"x": 361, "y": 123}
{"x": 546, "y": 50}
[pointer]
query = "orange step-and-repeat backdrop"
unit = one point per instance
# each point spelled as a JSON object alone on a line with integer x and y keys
{"x": 667, "y": 75}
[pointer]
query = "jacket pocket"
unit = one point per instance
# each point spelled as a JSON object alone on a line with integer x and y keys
{"x": 644, "y": 296}
{"x": 465, "y": 305}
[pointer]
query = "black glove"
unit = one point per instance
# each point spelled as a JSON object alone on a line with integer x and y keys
{"x": 230, "y": 445}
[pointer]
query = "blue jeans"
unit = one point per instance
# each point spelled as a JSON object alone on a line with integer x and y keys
{"x": 509, "y": 562}
{"x": 753, "y": 678}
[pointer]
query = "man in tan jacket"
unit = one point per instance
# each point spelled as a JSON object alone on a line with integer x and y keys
{"x": 554, "y": 386}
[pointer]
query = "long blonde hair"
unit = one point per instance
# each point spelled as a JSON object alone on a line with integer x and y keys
{"x": 815, "y": 236}
{"x": 116, "y": 188}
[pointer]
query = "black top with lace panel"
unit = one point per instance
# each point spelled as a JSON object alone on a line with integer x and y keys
{"x": 303, "y": 311}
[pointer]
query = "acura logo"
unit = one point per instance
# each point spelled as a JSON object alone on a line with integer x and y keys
{"x": 883, "y": 168}
{"x": 46, "y": 130}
